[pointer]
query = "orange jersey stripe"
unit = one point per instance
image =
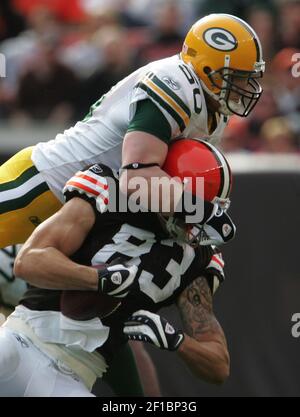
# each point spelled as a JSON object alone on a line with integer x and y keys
{"x": 83, "y": 187}
{"x": 88, "y": 189}
{"x": 216, "y": 259}
{"x": 91, "y": 179}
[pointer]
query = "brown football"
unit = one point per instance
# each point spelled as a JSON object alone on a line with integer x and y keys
{"x": 85, "y": 305}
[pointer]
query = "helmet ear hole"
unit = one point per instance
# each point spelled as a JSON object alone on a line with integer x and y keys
{"x": 207, "y": 70}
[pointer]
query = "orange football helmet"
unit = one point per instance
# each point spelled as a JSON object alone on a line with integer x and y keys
{"x": 192, "y": 159}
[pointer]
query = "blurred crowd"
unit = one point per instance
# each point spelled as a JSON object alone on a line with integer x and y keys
{"x": 62, "y": 55}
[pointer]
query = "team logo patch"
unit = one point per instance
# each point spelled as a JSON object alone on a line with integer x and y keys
{"x": 169, "y": 329}
{"x": 116, "y": 278}
{"x": 96, "y": 169}
{"x": 171, "y": 83}
{"x": 35, "y": 220}
{"x": 64, "y": 369}
{"x": 220, "y": 39}
{"x": 226, "y": 229}
{"x": 21, "y": 340}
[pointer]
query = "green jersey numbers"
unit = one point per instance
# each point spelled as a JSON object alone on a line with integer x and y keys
{"x": 196, "y": 91}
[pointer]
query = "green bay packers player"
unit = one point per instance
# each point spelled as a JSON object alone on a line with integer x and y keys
{"x": 188, "y": 95}
{"x": 56, "y": 344}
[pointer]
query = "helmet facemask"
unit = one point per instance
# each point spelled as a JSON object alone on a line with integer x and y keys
{"x": 223, "y": 203}
{"x": 192, "y": 234}
{"x": 227, "y": 81}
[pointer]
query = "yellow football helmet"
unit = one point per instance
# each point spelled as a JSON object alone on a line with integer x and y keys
{"x": 226, "y": 55}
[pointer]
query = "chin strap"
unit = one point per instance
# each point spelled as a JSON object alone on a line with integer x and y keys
{"x": 222, "y": 105}
{"x": 220, "y": 98}
{"x": 138, "y": 165}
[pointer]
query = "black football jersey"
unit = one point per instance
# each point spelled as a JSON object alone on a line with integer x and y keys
{"x": 165, "y": 266}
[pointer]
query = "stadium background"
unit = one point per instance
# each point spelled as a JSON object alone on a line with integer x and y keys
{"x": 61, "y": 56}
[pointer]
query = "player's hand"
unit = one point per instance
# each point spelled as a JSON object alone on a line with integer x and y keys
{"x": 216, "y": 265}
{"x": 219, "y": 229}
{"x": 145, "y": 326}
{"x": 117, "y": 280}
{"x": 215, "y": 270}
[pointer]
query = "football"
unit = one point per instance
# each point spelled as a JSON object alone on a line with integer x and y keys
{"x": 86, "y": 305}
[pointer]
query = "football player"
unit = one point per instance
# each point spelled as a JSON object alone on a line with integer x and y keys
{"x": 191, "y": 94}
{"x": 58, "y": 341}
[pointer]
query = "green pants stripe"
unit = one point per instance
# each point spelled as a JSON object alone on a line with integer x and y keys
{"x": 23, "y": 201}
{"x": 29, "y": 173}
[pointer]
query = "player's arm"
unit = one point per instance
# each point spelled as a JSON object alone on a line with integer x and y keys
{"x": 146, "y": 144}
{"x": 161, "y": 114}
{"x": 204, "y": 348}
{"x": 147, "y": 370}
{"x": 44, "y": 259}
{"x": 145, "y": 148}
{"x": 203, "y": 345}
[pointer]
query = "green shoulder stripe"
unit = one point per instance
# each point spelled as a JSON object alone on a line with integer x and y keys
{"x": 164, "y": 105}
{"x": 171, "y": 93}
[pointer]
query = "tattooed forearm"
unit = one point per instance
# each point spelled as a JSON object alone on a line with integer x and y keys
{"x": 204, "y": 348}
{"x": 195, "y": 305}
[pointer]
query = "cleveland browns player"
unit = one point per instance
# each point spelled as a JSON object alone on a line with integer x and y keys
{"x": 103, "y": 276}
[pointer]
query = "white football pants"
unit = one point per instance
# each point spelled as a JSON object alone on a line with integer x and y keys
{"x": 25, "y": 371}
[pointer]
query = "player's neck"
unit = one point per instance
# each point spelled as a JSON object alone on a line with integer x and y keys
{"x": 211, "y": 104}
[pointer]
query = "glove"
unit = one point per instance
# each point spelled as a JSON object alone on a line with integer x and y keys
{"x": 214, "y": 271}
{"x": 145, "y": 326}
{"x": 117, "y": 280}
{"x": 219, "y": 229}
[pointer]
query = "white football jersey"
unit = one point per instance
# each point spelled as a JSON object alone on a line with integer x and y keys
{"x": 172, "y": 86}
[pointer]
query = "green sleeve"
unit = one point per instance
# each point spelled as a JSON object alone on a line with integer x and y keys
{"x": 148, "y": 118}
